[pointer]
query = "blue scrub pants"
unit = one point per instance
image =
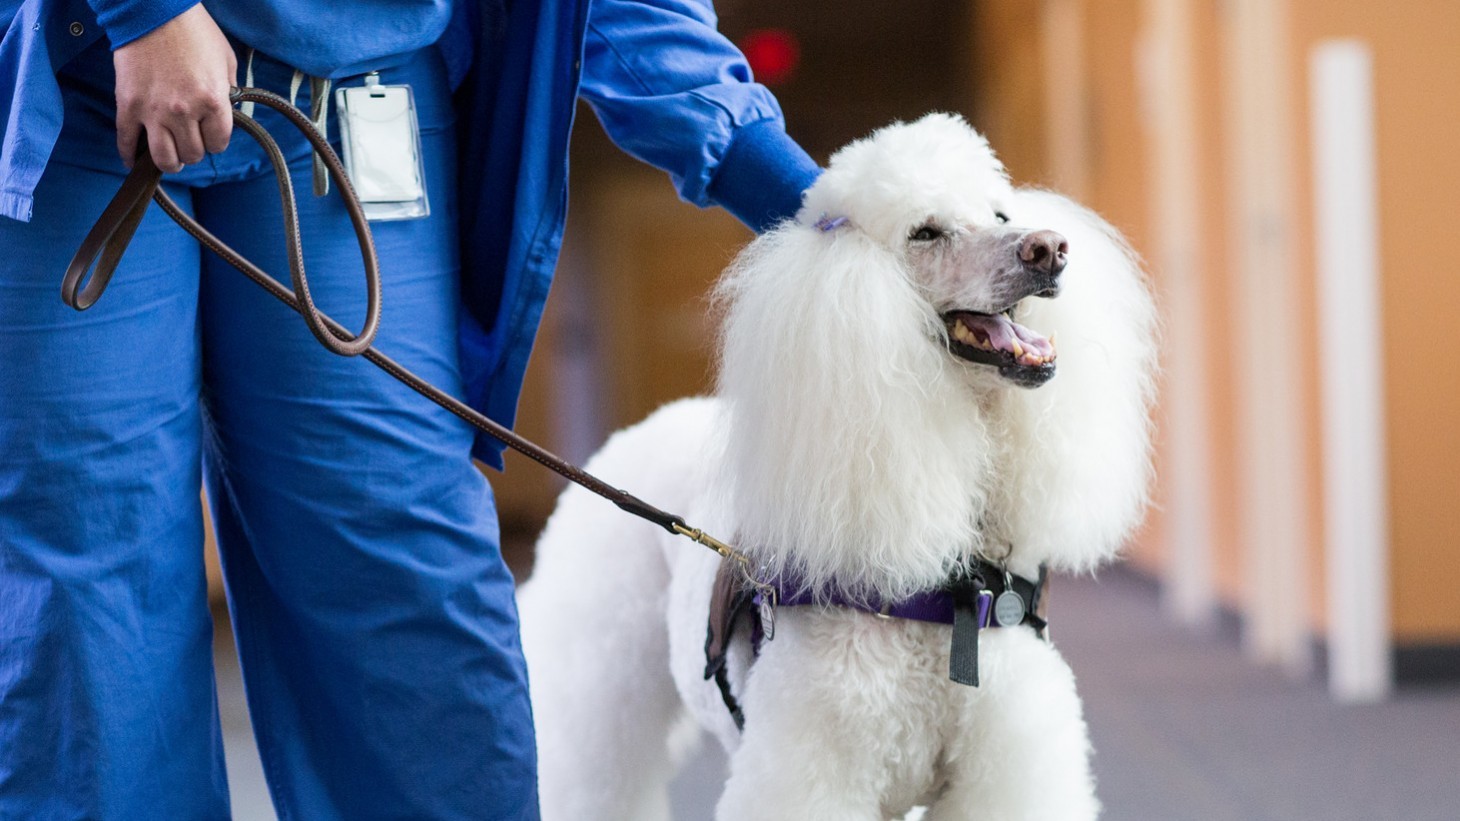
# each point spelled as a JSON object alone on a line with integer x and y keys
{"x": 374, "y": 617}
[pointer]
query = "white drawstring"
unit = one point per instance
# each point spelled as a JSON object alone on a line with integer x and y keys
{"x": 247, "y": 107}
{"x": 319, "y": 109}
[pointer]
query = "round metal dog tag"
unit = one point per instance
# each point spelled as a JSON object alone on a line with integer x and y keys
{"x": 765, "y": 603}
{"x": 1008, "y": 609}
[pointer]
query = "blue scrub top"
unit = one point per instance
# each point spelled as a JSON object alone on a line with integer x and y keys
{"x": 330, "y": 39}
{"x": 323, "y": 39}
{"x": 668, "y": 88}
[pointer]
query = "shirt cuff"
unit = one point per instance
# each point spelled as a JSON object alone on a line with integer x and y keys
{"x": 15, "y": 205}
{"x": 126, "y": 20}
{"x": 762, "y": 176}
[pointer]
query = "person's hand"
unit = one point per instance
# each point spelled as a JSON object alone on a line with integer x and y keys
{"x": 173, "y": 82}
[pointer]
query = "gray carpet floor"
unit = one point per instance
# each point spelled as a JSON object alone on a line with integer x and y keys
{"x": 1183, "y": 729}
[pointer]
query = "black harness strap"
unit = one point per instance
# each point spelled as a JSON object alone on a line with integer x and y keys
{"x": 975, "y": 591}
{"x": 730, "y": 602}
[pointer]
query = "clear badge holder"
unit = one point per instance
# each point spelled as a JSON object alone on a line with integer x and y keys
{"x": 382, "y": 149}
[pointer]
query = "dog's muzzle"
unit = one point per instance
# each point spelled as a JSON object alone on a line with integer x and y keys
{"x": 1023, "y": 356}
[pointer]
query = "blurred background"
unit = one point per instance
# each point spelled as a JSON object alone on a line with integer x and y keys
{"x": 1283, "y": 638}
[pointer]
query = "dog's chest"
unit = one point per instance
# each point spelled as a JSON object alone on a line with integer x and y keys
{"x": 878, "y": 683}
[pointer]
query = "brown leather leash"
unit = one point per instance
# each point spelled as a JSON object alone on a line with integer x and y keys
{"x": 108, "y": 239}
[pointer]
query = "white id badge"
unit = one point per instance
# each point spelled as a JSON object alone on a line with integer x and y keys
{"x": 382, "y": 148}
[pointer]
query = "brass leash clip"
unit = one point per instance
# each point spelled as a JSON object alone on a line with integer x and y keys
{"x": 766, "y": 596}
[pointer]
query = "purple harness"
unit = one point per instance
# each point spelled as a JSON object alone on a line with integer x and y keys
{"x": 979, "y": 596}
{"x": 930, "y": 605}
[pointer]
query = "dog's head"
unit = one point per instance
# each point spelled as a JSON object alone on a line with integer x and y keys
{"x": 934, "y": 196}
{"x": 873, "y": 356}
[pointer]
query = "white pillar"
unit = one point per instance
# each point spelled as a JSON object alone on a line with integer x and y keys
{"x": 1272, "y": 452}
{"x": 1351, "y": 340}
{"x": 1166, "y": 79}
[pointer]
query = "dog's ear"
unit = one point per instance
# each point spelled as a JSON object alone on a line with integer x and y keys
{"x": 830, "y": 296}
{"x": 1085, "y": 464}
{"x": 842, "y": 406}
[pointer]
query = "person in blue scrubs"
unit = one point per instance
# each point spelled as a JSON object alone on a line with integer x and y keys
{"x": 373, "y": 613}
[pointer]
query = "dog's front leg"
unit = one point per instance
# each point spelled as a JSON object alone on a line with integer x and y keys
{"x": 822, "y": 724}
{"x": 797, "y": 776}
{"x": 1022, "y": 752}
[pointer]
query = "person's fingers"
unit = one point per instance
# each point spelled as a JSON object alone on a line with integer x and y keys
{"x": 188, "y": 140}
{"x": 217, "y": 126}
{"x": 128, "y": 130}
{"x": 163, "y": 149}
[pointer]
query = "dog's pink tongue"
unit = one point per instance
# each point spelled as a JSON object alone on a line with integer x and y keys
{"x": 1004, "y": 334}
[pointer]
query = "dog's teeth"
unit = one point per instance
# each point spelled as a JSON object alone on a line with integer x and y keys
{"x": 1051, "y": 343}
{"x": 1018, "y": 350}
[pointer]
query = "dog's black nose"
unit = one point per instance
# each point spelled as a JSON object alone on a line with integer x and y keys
{"x": 1044, "y": 251}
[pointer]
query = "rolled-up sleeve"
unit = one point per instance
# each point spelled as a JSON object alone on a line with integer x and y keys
{"x": 675, "y": 93}
{"x": 126, "y": 20}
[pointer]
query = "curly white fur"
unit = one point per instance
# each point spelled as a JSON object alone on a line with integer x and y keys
{"x": 848, "y": 443}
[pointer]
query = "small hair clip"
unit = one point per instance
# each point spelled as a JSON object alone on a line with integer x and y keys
{"x": 828, "y": 224}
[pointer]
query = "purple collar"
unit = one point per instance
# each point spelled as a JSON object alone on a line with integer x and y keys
{"x": 828, "y": 223}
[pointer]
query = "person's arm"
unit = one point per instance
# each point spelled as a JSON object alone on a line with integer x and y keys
{"x": 673, "y": 92}
{"x": 174, "y": 68}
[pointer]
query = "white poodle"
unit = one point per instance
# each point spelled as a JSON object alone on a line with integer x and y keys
{"x": 889, "y": 419}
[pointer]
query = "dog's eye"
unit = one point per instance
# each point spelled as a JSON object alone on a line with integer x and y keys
{"x": 927, "y": 233}
{"x": 1001, "y": 216}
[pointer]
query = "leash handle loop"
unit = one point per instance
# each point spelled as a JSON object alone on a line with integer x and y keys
{"x": 108, "y": 238}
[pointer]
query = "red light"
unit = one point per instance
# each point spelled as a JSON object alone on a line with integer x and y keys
{"x": 773, "y": 55}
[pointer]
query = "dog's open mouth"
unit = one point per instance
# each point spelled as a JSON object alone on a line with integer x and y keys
{"x": 1023, "y": 356}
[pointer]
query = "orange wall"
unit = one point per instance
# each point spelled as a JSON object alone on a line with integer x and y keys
{"x": 1007, "y": 103}
{"x": 1416, "y": 50}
